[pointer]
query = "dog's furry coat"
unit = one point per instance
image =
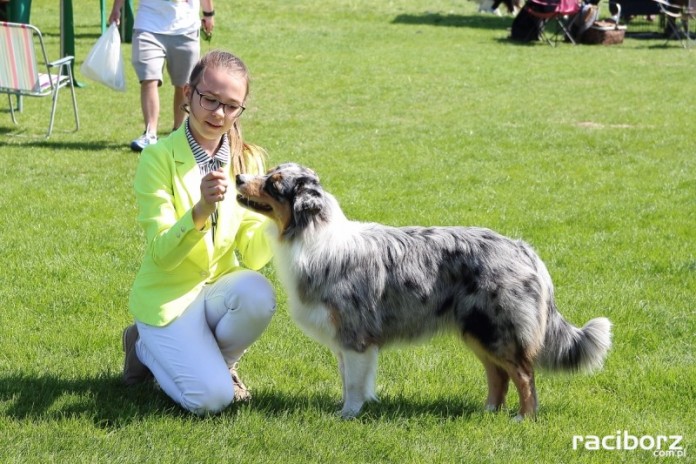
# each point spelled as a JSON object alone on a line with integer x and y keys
{"x": 356, "y": 287}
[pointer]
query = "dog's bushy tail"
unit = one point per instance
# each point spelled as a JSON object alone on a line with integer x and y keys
{"x": 568, "y": 348}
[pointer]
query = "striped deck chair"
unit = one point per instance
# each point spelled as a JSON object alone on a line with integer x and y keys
{"x": 21, "y": 74}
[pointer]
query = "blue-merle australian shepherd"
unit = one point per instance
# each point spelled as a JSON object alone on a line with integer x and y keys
{"x": 356, "y": 287}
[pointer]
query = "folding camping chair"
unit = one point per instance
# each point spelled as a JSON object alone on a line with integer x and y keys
{"x": 677, "y": 15}
{"x": 561, "y": 12}
{"x": 20, "y": 70}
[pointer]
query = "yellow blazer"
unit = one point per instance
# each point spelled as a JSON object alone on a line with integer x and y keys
{"x": 179, "y": 259}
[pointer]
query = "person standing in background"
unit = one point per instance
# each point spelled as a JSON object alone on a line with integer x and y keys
{"x": 165, "y": 32}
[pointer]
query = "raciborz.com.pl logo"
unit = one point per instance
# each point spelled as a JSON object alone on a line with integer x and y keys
{"x": 660, "y": 446}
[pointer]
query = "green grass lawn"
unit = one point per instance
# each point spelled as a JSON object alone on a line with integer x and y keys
{"x": 411, "y": 112}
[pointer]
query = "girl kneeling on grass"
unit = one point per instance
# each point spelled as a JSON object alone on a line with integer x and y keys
{"x": 196, "y": 310}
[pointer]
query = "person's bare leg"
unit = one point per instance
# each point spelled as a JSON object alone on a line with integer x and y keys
{"x": 150, "y": 105}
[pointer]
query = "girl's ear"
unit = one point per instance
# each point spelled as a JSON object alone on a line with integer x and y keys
{"x": 188, "y": 90}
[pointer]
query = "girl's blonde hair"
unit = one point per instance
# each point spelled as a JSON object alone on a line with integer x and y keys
{"x": 246, "y": 158}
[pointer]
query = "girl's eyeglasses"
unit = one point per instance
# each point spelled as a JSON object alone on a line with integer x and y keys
{"x": 210, "y": 103}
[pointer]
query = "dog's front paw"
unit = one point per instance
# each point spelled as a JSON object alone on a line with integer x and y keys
{"x": 349, "y": 413}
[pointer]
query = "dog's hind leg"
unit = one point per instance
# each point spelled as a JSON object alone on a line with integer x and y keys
{"x": 523, "y": 378}
{"x": 498, "y": 382}
{"x": 497, "y": 376}
{"x": 499, "y": 371}
{"x": 359, "y": 373}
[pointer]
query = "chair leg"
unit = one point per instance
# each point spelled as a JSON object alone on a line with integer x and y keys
{"x": 677, "y": 28}
{"x": 685, "y": 28}
{"x": 74, "y": 99}
{"x": 543, "y": 35}
{"x": 685, "y": 32}
{"x": 673, "y": 30}
{"x": 54, "y": 97}
{"x": 557, "y": 32}
{"x": 568, "y": 25}
{"x": 12, "y": 113}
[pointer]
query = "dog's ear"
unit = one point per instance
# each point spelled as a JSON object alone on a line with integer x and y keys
{"x": 307, "y": 192}
{"x": 315, "y": 176}
{"x": 308, "y": 200}
{"x": 308, "y": 204}
{"x": 307, "y": 208}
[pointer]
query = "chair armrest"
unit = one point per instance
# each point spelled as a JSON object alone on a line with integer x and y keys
{"x": 666, "y": 4}
{"x": 669, "y": 9}
{"x": 61, "y": 62}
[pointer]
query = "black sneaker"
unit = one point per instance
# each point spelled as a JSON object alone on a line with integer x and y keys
{"x": 134, "y": 371}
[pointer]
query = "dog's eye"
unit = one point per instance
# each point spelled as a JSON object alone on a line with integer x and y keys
{"x": 271, "y": 188}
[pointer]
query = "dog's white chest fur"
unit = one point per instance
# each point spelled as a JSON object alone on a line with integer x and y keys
{"x": 313, "y": 318}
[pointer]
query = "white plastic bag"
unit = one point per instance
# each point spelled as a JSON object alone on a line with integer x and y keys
{"x": 104, "y": 63}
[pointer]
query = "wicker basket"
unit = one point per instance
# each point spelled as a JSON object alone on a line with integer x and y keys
{"x": 604, "y": 33}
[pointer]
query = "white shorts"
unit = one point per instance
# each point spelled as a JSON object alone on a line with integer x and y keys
{"x": 190, "y": 357}
{"x": 150, "y": 52}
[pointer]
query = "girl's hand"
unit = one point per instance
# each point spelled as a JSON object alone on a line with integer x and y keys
{"x": 214, "y": 187}
{"x": 213, "y": 190}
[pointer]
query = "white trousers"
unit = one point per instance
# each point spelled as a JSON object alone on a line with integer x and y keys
{"x": 190, "y": 357}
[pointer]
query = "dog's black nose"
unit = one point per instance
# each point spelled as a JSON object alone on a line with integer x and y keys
{"x": 238, "y": 180}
